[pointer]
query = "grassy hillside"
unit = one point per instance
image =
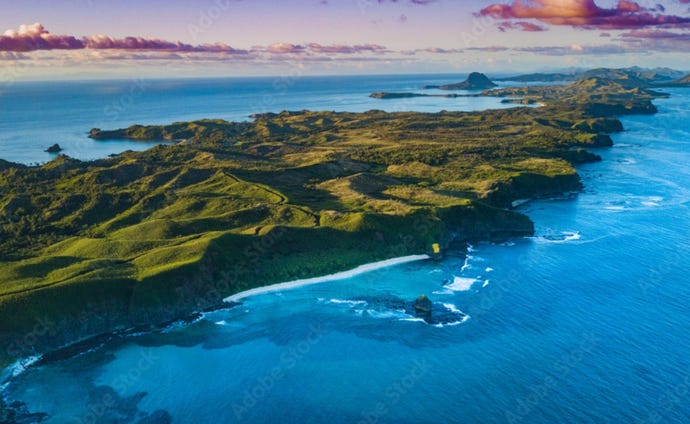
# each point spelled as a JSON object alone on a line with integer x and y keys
{"x": 145, "y": 237}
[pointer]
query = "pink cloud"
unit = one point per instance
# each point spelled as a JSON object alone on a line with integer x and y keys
{"x": 417, "y": 2}
{"x": 523, "y": 26}
{"x": 34, "y": 37}
{"x": 283, "y": 48}
{"x": 585, "y": 14}
{"x": 345, "y": 49}
{"x": 104, "y": 42}
{"x": 657, "y": 40}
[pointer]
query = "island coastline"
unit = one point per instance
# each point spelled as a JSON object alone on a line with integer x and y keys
{"x": 504, "y": 197}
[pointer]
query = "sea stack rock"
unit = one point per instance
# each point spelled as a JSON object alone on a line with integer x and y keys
{"x": 476, "y": 81}
{"x": 55, "y": 148}
{"x": 422, "y": 307}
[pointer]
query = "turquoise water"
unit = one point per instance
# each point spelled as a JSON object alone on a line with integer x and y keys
{"x": 585, "y": 322}
{"x": 35, "y": 115}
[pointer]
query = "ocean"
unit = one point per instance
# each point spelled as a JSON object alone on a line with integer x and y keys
{"x": 586, "y": 322}
{"x": 35, "y": 115}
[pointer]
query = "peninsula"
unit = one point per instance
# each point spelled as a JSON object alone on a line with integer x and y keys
{"x": 142, "y": 238}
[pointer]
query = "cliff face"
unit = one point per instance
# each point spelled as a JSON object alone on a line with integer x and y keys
{"x": 528, "y": 186}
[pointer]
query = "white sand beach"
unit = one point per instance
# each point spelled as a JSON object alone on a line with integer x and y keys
{"x": 327, "y": 278}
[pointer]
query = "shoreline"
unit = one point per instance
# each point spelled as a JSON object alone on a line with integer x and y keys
{"x": 13, "y": 369}
{"x": 362, "y": 269}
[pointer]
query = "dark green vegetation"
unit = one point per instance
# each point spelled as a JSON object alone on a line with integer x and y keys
{"x": 649, "y": 76}
{"x": 681, "y": 82}
{"x": 141, "y": 238}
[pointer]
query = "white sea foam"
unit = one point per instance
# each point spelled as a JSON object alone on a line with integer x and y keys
{"x": 22, "y": 365}
{"x": 454, "y": 323}
{"x": 564, "y": 237}
{"x": 489, "y": 269}
{"x": 386, "y": 314}
{"x": 222, "y": 322}
{"x": 412, "y": 319}
{"x": 519, "y": 202}
{"x": 486, "y": 283}
{"x": 572, "y": 236}
{"x": 328, "y": 278}
{"x": 466, "y": 264}
{"x": 653, "y": 201}
{"x": 461, "y": 284}
{"x": 452, "y": 308}
{"x": 347, "y": 302}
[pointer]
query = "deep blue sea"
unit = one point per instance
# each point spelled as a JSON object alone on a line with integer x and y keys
{"x": 35, "y": 115}
{"x": 587, "y": 322}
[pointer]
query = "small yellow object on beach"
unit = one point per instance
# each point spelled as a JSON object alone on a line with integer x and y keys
{"x": 436, "y": 248}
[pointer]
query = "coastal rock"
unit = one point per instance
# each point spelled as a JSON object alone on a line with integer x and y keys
{"x": 55, "y": 148}
{"x": 423, "y": 306}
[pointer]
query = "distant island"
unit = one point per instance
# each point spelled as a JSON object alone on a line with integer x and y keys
{"x": 387, "y": 95}
{"x": 475, "y": 81}
{"x": 631, "y": 77}
{"x": 626, "y": 79}
{"x": 142, "y": 238}
{"x": 680, "y": 82}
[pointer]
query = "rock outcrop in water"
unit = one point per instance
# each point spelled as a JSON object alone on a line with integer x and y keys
{"x": 475, "y": 81}
{"x": 55, "y": 148}
{"x": 423, "y": 306}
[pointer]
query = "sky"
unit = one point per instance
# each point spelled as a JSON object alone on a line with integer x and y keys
{"x": 75, "y": 39}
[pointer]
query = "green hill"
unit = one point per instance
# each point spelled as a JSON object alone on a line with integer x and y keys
{"x": 146, "y": 237}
